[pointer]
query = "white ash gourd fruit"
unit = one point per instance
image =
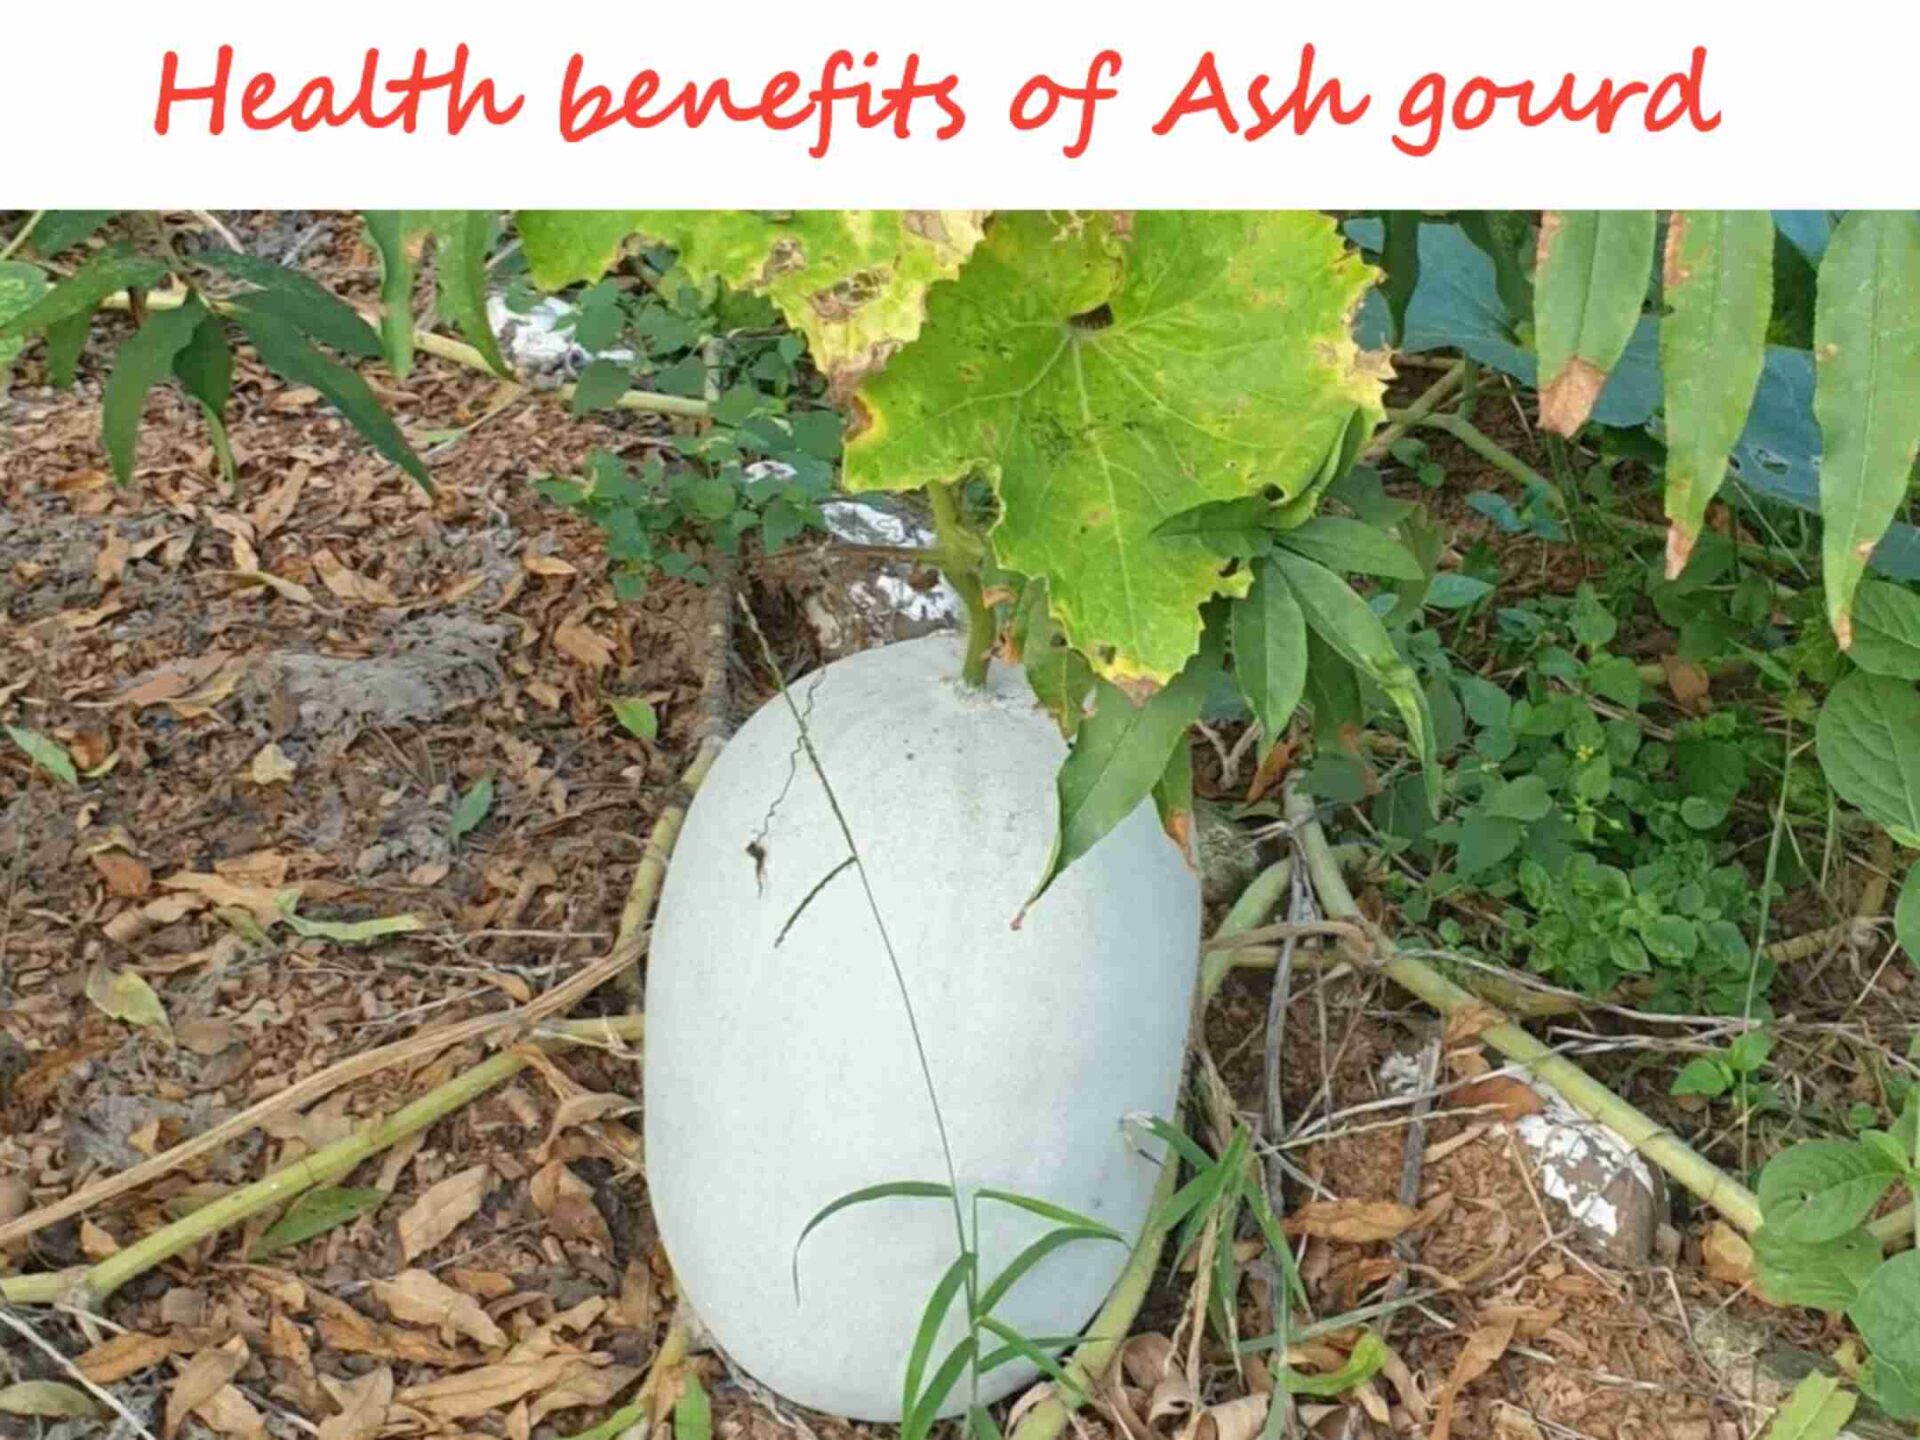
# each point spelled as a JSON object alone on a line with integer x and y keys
{"x": 781, "y": 1072}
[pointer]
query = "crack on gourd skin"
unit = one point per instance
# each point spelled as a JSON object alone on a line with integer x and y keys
{"x": 757, "y": 846}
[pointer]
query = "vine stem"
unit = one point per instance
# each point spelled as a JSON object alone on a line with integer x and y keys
{"x": 960, "y": 552}
{"x": 1580, "y": 1090}
{"x": 23, "y": 235}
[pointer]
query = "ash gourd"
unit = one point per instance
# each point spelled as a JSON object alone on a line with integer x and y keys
{"x": 781, "y": 1072}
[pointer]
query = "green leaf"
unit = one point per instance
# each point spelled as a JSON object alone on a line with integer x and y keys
{"x": 460, "y": 271}
{"x": 1400, "y": 254}
{"x": 1749, "y": 1051}
{"x": 1120, "y": 753}
{"x": 297, "y": 362}
{"x": 65, "y": 340}
{"x": 1826, "y": 1276}
{"x": 103, "y": 274}
{"x": 1906, "y": 915}
{"x": 1099, "y": 378}
{"x": 855, "y": 282}
{"x": 143, "y": 362}
{"x": 693, "y": 1411}
{"x": 473, "y": 806}
{"x": 932, "y": 1317}
{"x": 1363, "y": 1363}
{"x": 125, "y": 995}
{"x": 1866, "y": 333}
{"x": 49, "y": 755}
{"x": 890, "y": 1190}
{"x": 1868, "y": 740}
{"x": 1589, "y": 286}
{"x": 1713, "y": 345}
{"x": 21, "y": 285}
{"x": 1886, "y": 630}
{"x": 1349, "y": 626}
{"x": 61, "y": 230}
{"x": 918, "y": 1422}
{"x": 1702, "y": 1075}
{"x": 636, "y": 715}
{"x": 1818, "y": 1190}
{"x": 391, "y": 232}
{"x": 600, "y": 384}
{"x": 1524, "y": 798}
{"x": 1035, "y": 1253}
{"x": 348, "y": 931}
{"x": 297, "y": 299}
{"x": 1351, "y": 547}
{"x": 1270, "y": 652}
{"x": 1047, "y": 1210}
{"x": 204, "y": 365}
{"x": 1034, "y": 1356}
{"x": 315, "y": 1213}
{"x": 1452, "y": 590}
{"x": 52, "y": 1399}
{"x": 564, "y": 246}
{"x": 1887, "y": 1315}
{"x": 1818, "y": 1409}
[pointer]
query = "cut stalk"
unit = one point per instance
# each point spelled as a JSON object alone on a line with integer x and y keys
{"x": 959, "y": 553}
{"x": 1580, "y": 1090}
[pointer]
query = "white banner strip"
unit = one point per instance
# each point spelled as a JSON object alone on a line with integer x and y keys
{"x": 1398, "y": 103}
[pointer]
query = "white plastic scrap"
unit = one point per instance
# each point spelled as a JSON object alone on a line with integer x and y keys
{"x": 1578, "y": 1159}
{"x": 540, "y": 343}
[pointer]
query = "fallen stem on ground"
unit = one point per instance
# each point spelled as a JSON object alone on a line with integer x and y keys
{"x": 460, "y": 353}
{"x": 1108, "y": 1331}
{"x": 1580, "y": 1090}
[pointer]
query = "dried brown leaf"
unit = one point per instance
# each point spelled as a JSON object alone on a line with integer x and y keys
{"x": 490, "y": 1387}
{"x": 228, "y": 1412}
{"x": 205, "y": 1376}
{"x": 1484, "y": 1347}
{"x": 363, "y": 1405}
{"x": 1727, "y": 1255}
{"x": 419, "y": 1298}
{"x": 1511, "y": 1096}
{"x": 125, "y": 876}
{"x": 585, "y": 1385}
{"x": 583, "y": 646}
{"x": 341, "y": 1327}
{"x": 567, "y": 1202}
{"x": 1352, "y": 1222}
{"x": 124, "y": 1355}
{"x": 443, "y": 1209}
{"x": 349, "y": 584}
{"x": 1689, "y": 683}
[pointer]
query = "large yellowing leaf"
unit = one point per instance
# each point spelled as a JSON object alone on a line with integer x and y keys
{"x": 854, "y": 282}
{"x": 1107, "y": 373}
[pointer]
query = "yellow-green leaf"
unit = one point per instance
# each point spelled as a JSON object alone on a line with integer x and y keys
{"x": 1866, "y": 341}
{"x": 52, "y": 1399}
{"x": 1589, "y": 286}
{"x": 124, "y": 995}
{"x": 1818, "y": 1409}
{"x": 349, "y": 931}
{"x": 1713, "y": 345}
{"x": 50, "y": 755}
{"x": 1107, "y": 376}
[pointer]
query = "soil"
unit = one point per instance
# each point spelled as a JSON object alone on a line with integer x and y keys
{"x": 289, "y": 686}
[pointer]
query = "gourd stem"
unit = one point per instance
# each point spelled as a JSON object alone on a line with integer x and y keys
{"x": 1580, "y": 1090}
{"x": 960, "y": 553}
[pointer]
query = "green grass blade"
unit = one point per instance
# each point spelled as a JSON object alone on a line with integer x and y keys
{"x": 1400, "y": 254}
{"x": 931, "y": 1319}
{"x": 1034, "y": 1254}
{"x": 915, "y": 1424}
{"x": 1589, "y": 286}
{"x": 1713, "y": 345}
{"x": 693, "y": 1411}
{"x": 1866, "y": 396}
{"x": 1046, "y": 1210}
{"x": 891, "y": 1190}
{"x": 1027, "y": 1350}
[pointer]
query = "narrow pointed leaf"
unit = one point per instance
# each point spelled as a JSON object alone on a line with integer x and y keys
{"x": 50, "y": 755}
{"x": 143, "y": 362}
{"x": 66, "y": 338}
{"x": 1363, "y": 1363}
{"x": 61, "y": 230}
{"x": 1120, "y": 753}
{"x": 1035, "y": 1253}
{"x": 1713, "y": 346}
{"x": 289, "y": 355}
{"x": 931, "y": 1319}
{"x": 1033, "y": 1355}
{"x": 1866, "y": 334}
{"x": 298, "y": 300}
{"x": 465, "y": 237}
{"x": 1589, "y": 286}
{"x": 103, "y": 274}
{"x": 1350, "y": 628}
{"x": 1046, "y": 1210}
{"x": 693, "y": 1411}
{"x": 917, "y": 1422}
{"x": 392, "y": 232}
{"x": 1270, "y": 652}
{"x": 1401, "y": 257}
{"x": 315, "y": 1213}
{"x": 204, "y": 365}
{"x": 1350, "y": 546}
